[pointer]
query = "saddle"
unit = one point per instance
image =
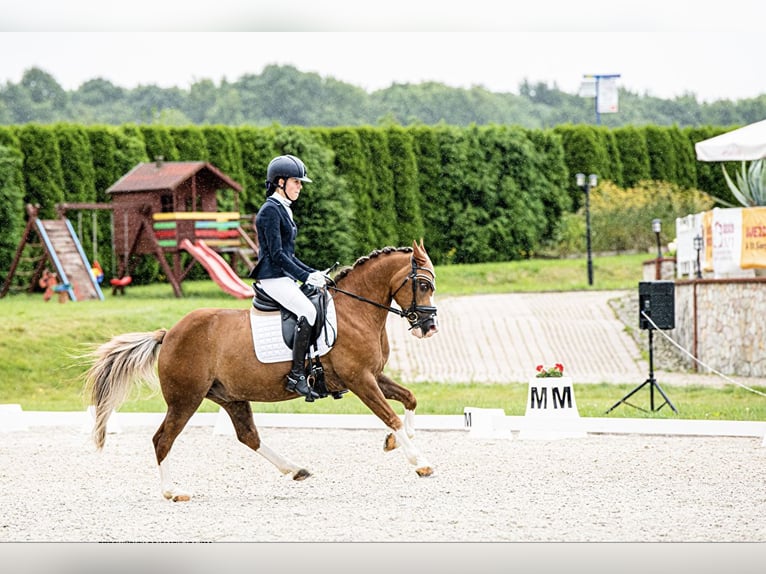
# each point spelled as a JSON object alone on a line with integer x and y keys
{"x": 322, "y": 327}
{"x": 318, "y": 298}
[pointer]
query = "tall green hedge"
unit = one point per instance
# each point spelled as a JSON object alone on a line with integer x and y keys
{"x": 380, "y": 185}
{"x": 430, "y": 187}
{"x": 189, "y": 142}
{"x": 11, "y": 205}
{"x": 324, "y": 208}
{"x": 43, "y": 174}
{"x": 551, "y": 177}
{"x": 480, "y": 193}
{"x": 582, "y": 154}
{"x": 258, "y": 148}
{"x": 663, "y": 162}
{"x": 634, "y": 153}
{"x": 404, "y": 171}
{"x": 710, "y": 174}
{"x": 224, "y": 153}
{"x": 76, "y": 163}
{"x": 354, "y": 172}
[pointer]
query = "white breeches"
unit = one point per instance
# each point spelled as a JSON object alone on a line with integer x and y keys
{"x": 288, "y": 294}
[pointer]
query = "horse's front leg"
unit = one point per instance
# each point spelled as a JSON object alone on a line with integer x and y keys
{"x": 394, "y": 391}
{"x": 370, "y": 393}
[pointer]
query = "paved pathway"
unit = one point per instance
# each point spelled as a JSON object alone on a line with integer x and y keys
{"x": 502, "y": 338}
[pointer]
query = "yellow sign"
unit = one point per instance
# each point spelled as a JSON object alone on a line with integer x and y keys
{"x": 203, "y": 215}
{"x": 753, "y": 238}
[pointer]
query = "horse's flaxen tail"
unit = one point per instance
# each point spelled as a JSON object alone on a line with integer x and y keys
{"x": 117, "y": 363}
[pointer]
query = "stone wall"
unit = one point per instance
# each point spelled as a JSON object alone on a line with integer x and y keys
{"x": 667, "y": 268}
{"x": 721, "y": 322}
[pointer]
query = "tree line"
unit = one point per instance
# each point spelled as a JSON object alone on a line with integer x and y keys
{"x": 313, "y": 100}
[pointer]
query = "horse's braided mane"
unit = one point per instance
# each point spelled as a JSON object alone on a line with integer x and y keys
{"x": 364, "y": 259}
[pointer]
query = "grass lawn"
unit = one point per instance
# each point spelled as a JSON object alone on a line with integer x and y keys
{"x": 41, "y": 345}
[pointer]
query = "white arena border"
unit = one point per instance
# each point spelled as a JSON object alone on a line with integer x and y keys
{"x": 13, "y": 418}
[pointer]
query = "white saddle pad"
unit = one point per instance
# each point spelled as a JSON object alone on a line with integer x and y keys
{"x": 269, "y": 345}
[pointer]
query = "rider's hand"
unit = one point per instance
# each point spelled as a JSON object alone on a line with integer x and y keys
{"x": 317, "y": 279}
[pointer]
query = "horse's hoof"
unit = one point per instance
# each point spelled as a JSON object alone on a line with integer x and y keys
{"x": 177, "y": 496}
{"x": 302, "y": 474}
{"x": 390, "y": 443}
{"x": 424, "y": 471}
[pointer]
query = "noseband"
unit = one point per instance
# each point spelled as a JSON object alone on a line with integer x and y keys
{"x": 416, "y": 315}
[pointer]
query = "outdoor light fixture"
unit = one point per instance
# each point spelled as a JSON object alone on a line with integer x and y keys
{"x": 698, "y": 245}
{"x": 587, "y": 185}
{"x": 657, "y": 227}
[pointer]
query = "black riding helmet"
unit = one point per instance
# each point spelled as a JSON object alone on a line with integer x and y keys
{"x": 285, "y": 166}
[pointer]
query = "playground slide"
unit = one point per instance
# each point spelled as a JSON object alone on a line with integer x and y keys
{"x": 218, "y": 269}
{"x": 69, "y": 259}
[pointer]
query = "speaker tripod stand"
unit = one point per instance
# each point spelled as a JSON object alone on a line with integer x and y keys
{"x": 652, "y": 382}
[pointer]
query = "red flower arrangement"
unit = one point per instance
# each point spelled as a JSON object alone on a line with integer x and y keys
{"x": 556, "y": 370}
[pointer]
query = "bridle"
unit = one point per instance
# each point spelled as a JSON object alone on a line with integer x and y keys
{"x": 416, "y": 315}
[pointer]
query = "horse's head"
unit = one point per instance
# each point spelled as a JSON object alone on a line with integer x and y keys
{"x": 416, "y": 300}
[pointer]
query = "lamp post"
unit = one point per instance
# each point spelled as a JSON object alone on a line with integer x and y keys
{"x": 657, "y": 227}
{"x": 586, "y": 185}
{"x": 698, "y": 244}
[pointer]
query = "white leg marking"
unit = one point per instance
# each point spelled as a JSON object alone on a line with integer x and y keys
{"x": 412, "y": 452}
{"x": 284, "y": 465}
{"x": 409, "y": 423}
{"x": 166, "y": 484}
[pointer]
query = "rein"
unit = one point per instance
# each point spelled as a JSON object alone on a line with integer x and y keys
{"x": 370, "y": 301}
{"x": 411, "y": 313}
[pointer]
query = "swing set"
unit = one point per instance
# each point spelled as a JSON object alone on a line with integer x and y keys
{"x": 118, "y": 283}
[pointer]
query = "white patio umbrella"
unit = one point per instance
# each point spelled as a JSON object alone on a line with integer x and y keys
{"x": 744, "y": 144}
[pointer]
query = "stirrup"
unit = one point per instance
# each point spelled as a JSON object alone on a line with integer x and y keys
{"x": 301, "y": 387}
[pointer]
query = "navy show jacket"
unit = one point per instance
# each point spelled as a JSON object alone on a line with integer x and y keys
{"x": 276, "y": 238}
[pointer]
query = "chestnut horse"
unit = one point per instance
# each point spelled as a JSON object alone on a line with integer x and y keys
{"x": 209, "y": 354}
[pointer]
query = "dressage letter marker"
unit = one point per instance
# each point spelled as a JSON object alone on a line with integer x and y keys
{"x": 485, "y": 423}
{"x": 551, "y": 410}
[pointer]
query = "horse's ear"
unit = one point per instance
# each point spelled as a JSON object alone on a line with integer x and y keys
{"x": 419, "y": 251}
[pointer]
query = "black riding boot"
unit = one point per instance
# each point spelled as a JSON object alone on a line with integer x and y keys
{"x": 296, "y": 379}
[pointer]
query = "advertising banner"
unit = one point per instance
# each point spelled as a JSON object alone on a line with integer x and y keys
{"x": 607, "y": 97}
{"x": 727, "y": 240}
{"x": 753, "y": 238}
{"x": 734, "y": 241}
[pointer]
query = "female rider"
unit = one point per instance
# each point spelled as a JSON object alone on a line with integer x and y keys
{"x": 279, "y": 270}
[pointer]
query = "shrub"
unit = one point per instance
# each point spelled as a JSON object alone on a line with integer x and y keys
{"x": 621, "y": 218}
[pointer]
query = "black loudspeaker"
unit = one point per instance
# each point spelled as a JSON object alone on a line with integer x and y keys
{"x": 657, "y": 300}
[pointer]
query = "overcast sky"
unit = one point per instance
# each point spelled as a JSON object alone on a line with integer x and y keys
{"x": 664, "y": 48}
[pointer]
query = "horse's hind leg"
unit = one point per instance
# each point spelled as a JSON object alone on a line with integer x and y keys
{"x": 174, "y": 422}
{"x": 394, "y": 391}
{"x": 241, "y": 415}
